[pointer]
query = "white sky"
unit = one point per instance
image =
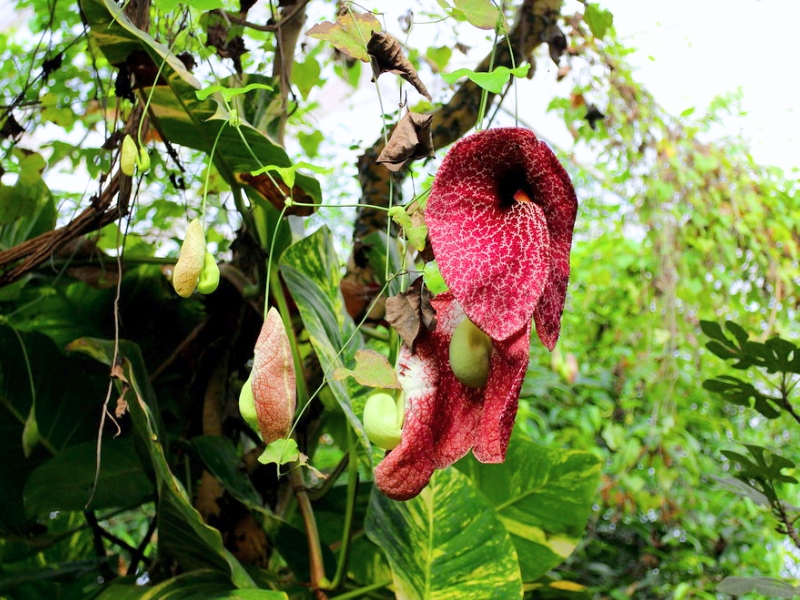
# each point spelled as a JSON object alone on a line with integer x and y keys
{"x": 704, "y": 48}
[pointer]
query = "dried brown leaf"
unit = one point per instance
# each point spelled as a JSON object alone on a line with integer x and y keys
{"x": 408, "y": 312}
{"x": 387, "y": 56}
{"x": 410, "y": 140}
{"x": 348, "y": 33}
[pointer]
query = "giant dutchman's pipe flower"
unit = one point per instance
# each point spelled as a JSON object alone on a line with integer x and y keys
{"x": 500, "y": 217}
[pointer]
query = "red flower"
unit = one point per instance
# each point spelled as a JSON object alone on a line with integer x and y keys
{"x": 500, "y": 217}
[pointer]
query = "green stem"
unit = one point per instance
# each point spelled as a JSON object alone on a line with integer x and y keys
{"x": 311, "y": 204}
{"x": 317, "y": 568}
{"x": 352, "y": 491}
{"x": 359, "y": 593}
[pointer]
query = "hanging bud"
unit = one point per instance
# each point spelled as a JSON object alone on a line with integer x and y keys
{"x": 247, "y": 405}
{"x": 273, "y": 379}
{"x": 383, "y": 420}
{"x": 209, "y": 277}
{"x": 143, "y": 160}
{"x": 470, "y": 352}
{"x": 191, "y": 260}
{"x": 128, "y": 156}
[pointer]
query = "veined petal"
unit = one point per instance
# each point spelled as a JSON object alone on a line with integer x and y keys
{"x": 444, "y": 418}
{"x": 500, "y": 217}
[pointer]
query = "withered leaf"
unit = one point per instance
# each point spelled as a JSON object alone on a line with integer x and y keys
{"x": 372, "y": 369}
{"x": 11, "y": 128}
{"x": 411, "y": 139}
{"x": 348, "y": 33}
{"x": 408, "y": 312}
{"x": 593, "y": 115}
{"x": 387, "y": 56}
{"x": 556, "y": 42}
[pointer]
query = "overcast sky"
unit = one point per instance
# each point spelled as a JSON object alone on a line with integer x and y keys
{"x": 693, "y": 50}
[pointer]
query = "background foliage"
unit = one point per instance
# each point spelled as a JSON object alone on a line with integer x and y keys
{"x": 679, "y": 231}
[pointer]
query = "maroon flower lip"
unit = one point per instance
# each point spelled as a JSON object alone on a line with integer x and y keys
{"x": 500, "y": 217}
{"x": 445, "y": 418}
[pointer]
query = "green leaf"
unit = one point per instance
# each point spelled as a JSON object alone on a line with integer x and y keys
{"x": 494, "y": 81}
{"x": 220, "y": 458}
{"x": 766, "y": 465}
{"x": 739, "y": 392}
{"x": 310, "y": 142}
{"x": 372, "y": 369}
{"x": 280, "y": 452}
{"x": 65, "y": 481}
{"x": 440, "y": 56}
{"x": 202, "y": 584}
{"x": 445, "y": 543}
{"x": 780, "y": 356}
{"x": 311, "y": 271}
{"x": 178, "y": 114}
{"x": 229, "y": 93}
{"x": 543, "y": 496}
{"x": 598, "y": 20}
{"x": 288, "y": 174}
{"x": 349, "y": 34}
{"x": 182, "y": 534}
{"x": 483, "y": 14}
{"x": 68, "y": 393}
{"x": 306, "y": 75}
{"x": 766, "y": 586}
{"x": 380, "y": 250}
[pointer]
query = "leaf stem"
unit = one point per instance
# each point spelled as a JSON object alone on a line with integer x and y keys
{"x": 317, "y": 568}
{"x": 359, "y": 592}
{"x": 352, "y": 492}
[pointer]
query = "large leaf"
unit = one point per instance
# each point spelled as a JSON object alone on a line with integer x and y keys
{"x": 65, "y": 482}
{"x": 68, "y": 407}
{"x": 445, "y": 543}
{"x": 311, "y": 271}
{"x": 197, "y": 585}
{"x": 182, "y": 534}
{"x": 220, "y": 458}
{"x": 544, "y": 498}
{"x": 180, "y": 116}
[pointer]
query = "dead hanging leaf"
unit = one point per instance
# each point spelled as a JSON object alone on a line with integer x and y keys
{"x": 219, "y": 36}
{"x": 273, "y": 379}
{"x": 11, "y": 128}
{"x": 121, "y": 408}
{"x": 593, "y": 115}
{"x": 409, "y": 311}
{"x": 387, "y": 56}
{"x": 410, "y": 140}
{"x": 556, "y": 42}
{"x": 372, "y": 369}
{"x": 348, "y": 33}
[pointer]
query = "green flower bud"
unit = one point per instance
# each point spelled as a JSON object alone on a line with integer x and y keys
{"x": 470, "y": 353}
{"x": 383, "y": 420}
{"x": 209, "y": 277}
{"x": 247, "y": 406}
{"x": 143, "y": 161}
{"x": 128, "y": 154}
